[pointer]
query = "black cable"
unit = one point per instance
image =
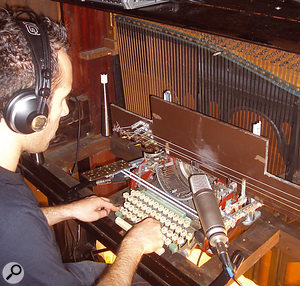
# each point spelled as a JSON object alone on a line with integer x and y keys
{"x": 77, "y": 242}
{"x": 72, "y": 247}
{"x": 62, "y": 16}
{"x": 199, "y": 258}
{"x": 78, "y": 135}
{"x": 229, "y": 272}
{"x": 100, "y": 251}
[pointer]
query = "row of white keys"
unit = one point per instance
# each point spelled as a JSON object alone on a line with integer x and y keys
{"x": 176, "y": 223}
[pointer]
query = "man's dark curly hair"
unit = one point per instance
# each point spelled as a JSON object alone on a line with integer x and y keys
{"x": 16, "y": 65}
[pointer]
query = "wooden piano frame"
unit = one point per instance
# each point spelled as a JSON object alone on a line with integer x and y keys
{"x": 266, "y": 233}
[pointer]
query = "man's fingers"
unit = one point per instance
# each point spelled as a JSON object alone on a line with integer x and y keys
{"x": 103, "y": 213}
{"x": 108, "y": 205}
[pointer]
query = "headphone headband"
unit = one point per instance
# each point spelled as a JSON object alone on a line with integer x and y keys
{"x": 38, "y": 41}
{"x": 27, "y": 110}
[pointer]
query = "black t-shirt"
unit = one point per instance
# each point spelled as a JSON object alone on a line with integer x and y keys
{"x": 27, "y": 240}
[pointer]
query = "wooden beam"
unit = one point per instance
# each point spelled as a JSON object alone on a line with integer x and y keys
{"x": 65, "y": 155}
{"x": 97, "y": 53}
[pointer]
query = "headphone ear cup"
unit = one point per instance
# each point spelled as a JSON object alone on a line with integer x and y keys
{"x": 21, "y": 113}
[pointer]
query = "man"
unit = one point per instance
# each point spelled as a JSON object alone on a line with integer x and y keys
{"x": 29, "y": 254}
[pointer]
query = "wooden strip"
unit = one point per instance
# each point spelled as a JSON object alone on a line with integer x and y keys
{"x": 65, "y": 155}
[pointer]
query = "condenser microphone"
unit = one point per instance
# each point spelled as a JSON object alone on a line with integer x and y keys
{"x": 210, "y": 217}
{"x": 208, "y": 210}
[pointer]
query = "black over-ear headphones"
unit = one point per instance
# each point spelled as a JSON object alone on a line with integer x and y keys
{"x": 27, "y": 110}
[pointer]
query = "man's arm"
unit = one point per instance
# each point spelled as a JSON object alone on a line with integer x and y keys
{"x": 145, "y": 237}
{"x": 88, "y": 209}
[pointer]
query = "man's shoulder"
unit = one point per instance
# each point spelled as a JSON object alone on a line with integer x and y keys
{"x": 18, "y": 207}
{"x": 17, "y": 196}
{"x": 14, "y": 189}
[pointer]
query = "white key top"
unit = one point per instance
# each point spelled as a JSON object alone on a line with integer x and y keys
{"x": 180, "y": 240}
{"x": 168, "y": 222}
{"x": 178, "y": 229}
{"x": 172, "y": 226}
{"x": 181, "y": 221}
{"x": 140, "y": 214}
{"x": 171, "y": 215}
{"x": 162, "y": 219}
{"x": 165, "y": 211}
{"x": 176, "y": 218}
{"x": 125, "y": 195}
{"x": 183, "y": 233}
{"x": 169, "y": 233}
{"x": 189, "y": 236}
{"x": 175, "y": 237}
{"x": 164, "y": 229}
{"x": 131, "y": 208}
{"x": 155, "y": 205}
{"x": 186, "y": 223}
{"x": 151, "y": 202}
{"x": 167, "y": 241}
{"x": 157, "y": 216}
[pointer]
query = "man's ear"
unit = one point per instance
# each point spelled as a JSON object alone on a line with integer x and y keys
{"x": 2, "y": 120}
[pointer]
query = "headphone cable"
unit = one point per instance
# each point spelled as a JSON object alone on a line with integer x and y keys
{"x": 78, "y": 136}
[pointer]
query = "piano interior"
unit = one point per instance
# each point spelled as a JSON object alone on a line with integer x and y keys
{"x": 193, "y": 87}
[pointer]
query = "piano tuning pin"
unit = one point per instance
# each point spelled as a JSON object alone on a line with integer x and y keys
{"x": 217, "y": 53}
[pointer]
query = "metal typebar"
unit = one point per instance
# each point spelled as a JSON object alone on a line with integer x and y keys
{"x": 160, "y": 193}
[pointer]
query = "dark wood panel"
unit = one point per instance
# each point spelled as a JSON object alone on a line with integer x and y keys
{"x": 88, "y": 30}
{"x": 226, "y": 149}
{"x": 222, "y": 149}
{"x": 94, "y": 88}
{"x": 42, "y": 7}
{"x": 262, "y": 22}
{"x": 125, "y": 117}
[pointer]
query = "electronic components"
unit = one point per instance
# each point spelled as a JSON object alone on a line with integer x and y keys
{"x": 106, "y": 170}
{"x": 140, "y": 134}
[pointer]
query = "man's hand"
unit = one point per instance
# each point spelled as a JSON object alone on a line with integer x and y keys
{"x": 91, "y": 208}
{"x": 88, "y": 209}
{"x": 145, "y": 235}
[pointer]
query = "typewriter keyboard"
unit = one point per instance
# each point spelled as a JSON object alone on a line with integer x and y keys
{"x": 175, "y": 225}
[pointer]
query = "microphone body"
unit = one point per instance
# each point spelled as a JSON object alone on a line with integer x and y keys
{"x": 208, "y": 210}
{"x": 210, "y": 218}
